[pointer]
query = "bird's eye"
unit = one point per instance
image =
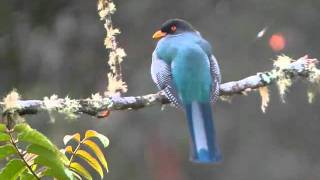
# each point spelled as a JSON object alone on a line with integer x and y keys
{"x": 173, "y": 28}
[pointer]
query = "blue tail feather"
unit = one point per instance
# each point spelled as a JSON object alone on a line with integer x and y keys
{"x": 203, "y": 141}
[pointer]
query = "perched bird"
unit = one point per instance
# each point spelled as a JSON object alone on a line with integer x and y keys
{"x": 184, "y": 67}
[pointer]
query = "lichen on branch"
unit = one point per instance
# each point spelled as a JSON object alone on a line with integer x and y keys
{"x": 303, "y": 67}
{"x": 116, "y": 85}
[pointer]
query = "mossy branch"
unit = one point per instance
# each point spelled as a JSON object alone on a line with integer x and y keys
{"x": 285, "y": 70}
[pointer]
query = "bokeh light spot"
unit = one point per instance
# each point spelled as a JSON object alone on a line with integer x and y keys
{"x": 277, "y": 42}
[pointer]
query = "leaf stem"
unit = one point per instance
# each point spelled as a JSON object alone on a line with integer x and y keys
{"x": 12, "y": 140}
{"x": 75, "y": 151}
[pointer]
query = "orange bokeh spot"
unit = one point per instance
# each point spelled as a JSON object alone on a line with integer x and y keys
{"x": 103, "y": 114}
{"x": 277, "y": 42}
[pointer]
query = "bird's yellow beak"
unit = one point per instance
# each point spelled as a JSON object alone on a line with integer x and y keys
{"x": 158, "y": 35}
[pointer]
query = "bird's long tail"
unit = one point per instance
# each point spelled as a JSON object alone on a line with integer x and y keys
{"x": 203, "y": 138}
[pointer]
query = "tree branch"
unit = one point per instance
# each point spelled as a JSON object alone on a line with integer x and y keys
{"x": 284, "y": 67}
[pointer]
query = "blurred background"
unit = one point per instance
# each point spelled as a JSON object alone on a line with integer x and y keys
{"x": 56, "y": 47}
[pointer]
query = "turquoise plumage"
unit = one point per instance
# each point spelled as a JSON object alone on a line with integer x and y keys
{"x": 184, "y": 67}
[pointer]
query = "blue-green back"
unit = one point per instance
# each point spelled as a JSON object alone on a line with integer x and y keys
{"x": 188, "y": 55}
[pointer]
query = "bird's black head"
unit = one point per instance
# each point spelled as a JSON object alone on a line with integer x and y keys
{"x": 173, "y": 27}
{"x": 176, "y": 26}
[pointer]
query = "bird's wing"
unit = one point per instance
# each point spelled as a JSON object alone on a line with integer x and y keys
{"x": 216, "y": 77}
{"x": 161, "y": 75}
{"x": 214, "y": 69}
{"x": 214, "y": 66}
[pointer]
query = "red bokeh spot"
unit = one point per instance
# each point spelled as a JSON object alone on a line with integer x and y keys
{"x": 277, "y": 42}
{"x": 103, "y": 114}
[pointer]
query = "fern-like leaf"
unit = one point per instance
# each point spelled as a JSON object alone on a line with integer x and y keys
{"x": 51, "y": 160}
{"x": 78, "y": 168}
{"x": 12, "y": 169}
{"x": 4, "y": 137}
{"x": 95, "y": 148}
{"x": 7, "y": 150}
{"x": 91, "y": 161}
{"x": 79, "y": 152}
{"x": 103, "y": 139}
{"x": 75, "y": 137}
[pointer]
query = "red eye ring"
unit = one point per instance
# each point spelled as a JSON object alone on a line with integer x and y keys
{"x": 173, "y": 28}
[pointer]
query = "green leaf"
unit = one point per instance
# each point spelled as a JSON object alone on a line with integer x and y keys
{"x": 12, "y": 170}
{"x": 6, "y": 150}
{"x": 26, "y": 175}
{"x": 34, "y": 167}
{"x": 91, "y": 161}
{"x": 32, "y": 136}
{"x": 69, "y": 175}
{"x": 4, "y": 136}
{"x": 3, "y": 128}
{"x": 95, "y": 148}
{"x": 27, "y": 134}
{"x": 52, "y": 160}
{"x": 67, "y": 138}
{"x": 104, "y": 140}
{"x": 80, "y": 170}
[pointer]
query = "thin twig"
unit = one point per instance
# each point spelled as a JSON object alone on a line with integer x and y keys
{"x": 12, "y": 140}
{"x": 75, "y": 151}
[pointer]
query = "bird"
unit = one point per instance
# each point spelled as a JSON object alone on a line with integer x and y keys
{"x": 185, "y": 69}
